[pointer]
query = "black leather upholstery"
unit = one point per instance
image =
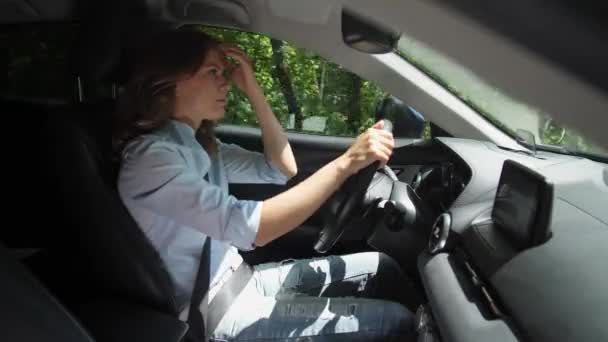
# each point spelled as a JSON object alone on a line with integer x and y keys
{"x": 110, "y": 320}
{"x": 117, "y": 260}
{"x": 29, "y": 312}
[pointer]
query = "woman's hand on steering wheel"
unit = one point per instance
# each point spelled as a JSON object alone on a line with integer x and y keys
{"x": 371, "y": 149}
{"x": 375, "y": 144}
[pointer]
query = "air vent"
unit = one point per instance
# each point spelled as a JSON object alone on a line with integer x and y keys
{"x": 440, "y": 233}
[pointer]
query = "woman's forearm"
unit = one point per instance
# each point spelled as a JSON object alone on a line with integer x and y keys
{"x": 289, "y": 209}
{"x": 276, "y": 145}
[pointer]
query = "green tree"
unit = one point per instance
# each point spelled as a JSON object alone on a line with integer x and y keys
{"x": 281, "y": 72}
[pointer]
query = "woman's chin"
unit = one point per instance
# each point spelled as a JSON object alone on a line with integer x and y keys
{"x": 220, "y": 115}
{"x": 215, "y": 117}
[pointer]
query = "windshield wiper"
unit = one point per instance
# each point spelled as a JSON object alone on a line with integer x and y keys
{"x": 576, "y": 153}
{"x": 526, "y": 152}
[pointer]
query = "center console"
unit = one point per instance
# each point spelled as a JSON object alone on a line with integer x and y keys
{"x": 468, "y": 244}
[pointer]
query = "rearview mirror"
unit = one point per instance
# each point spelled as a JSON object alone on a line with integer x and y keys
{"x": 407, "y": 122}
{"x": 364, "y": 36}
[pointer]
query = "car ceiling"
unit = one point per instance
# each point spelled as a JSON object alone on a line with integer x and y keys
{"x": 547, "y": 53}
{"x": 17, "y": 11}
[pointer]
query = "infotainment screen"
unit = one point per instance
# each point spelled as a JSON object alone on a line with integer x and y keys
{"x": 522, "y": 205}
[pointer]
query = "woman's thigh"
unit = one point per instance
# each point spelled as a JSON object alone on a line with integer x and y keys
{"x": 253, "y": 316}
{"x": 368, "y": 274}
{"x": 314, "y": 276}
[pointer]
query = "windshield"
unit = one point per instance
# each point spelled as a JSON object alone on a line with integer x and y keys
{"x": 516, "y": 118}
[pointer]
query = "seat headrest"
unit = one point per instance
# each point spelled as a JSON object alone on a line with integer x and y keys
{"x": 96, "y": 49}
{"x": 107, "y": 29}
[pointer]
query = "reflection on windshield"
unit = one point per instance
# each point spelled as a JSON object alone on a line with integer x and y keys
{"x": 502, "y": 110}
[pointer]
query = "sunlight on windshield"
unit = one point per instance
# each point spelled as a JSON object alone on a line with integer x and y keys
{"x": 505, "y": 112}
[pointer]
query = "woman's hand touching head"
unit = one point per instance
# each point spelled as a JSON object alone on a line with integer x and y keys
{"x": 241, "y": 73}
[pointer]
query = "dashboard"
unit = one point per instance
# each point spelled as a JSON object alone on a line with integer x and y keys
{"x": 518, "y": 249}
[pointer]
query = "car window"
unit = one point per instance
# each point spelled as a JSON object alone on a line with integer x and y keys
{"x": 306, "y": 92}
{"x": 37, "y": 61}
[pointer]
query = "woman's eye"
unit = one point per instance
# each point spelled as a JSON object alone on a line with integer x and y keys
{"x": 215, "y": 72}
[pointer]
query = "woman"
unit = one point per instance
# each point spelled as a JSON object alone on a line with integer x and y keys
{"x": 176, "y": 187}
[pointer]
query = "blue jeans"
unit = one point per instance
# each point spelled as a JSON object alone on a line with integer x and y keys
{"x": 355, "y": 297}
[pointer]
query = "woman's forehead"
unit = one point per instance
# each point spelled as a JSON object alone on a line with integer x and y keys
{"x": 215, "y": 57}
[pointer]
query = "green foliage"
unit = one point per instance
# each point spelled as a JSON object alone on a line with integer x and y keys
{"x": 557, "y": 135}
{"x": 322, "y": 89}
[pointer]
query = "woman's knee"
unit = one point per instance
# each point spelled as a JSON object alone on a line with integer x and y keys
{"x": 388, "y": 264}
{"x": 398, "y": 320}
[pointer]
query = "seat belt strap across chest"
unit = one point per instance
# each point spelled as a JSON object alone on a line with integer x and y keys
{"x": 198, "y": 326}
{"x": 196, "y": 331}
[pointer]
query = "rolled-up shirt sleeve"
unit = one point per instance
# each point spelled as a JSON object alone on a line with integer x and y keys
{"x": 157, "y": 176}
{"x": 245, "y": 166}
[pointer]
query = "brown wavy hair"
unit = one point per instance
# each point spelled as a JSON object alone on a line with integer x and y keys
{"x": 148, "y": 100}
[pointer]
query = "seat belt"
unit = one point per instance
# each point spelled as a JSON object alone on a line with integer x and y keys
{"x": 196, "y": 330}
{"x": 221, "y": 301}
{"x": 227, "y": 294}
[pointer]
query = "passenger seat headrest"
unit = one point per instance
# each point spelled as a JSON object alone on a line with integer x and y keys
{"x": 107, "y": 30}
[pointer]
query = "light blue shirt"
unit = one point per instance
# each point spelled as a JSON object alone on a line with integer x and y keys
{"x": 161, "y": 182}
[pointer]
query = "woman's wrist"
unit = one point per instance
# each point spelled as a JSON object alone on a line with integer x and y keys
{"x": 345, "y": 165}
{"x": 254, "y": 91}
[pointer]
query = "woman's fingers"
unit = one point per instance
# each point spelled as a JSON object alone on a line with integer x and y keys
{"x": 235, "y": 52}
{"x": 382, "y": 153}
{"x": 385, "y": 134}
{"x": 379, "y": 124}
{"x": 382, "y": 144}
{"x": 374, "y": 144}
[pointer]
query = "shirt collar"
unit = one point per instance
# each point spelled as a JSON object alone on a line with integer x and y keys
{"x": 181, "y": 133}
{"x": 182, "y": 127}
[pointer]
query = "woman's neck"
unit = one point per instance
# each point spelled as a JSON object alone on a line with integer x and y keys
{"x": 188, "y": 121}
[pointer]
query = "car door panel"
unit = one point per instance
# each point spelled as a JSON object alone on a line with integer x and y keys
{"x": 311, "y": 153}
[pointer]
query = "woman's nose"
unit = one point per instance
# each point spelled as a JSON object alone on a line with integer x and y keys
{"x": 223, "y": 82}
{"x": 224, "y": 85}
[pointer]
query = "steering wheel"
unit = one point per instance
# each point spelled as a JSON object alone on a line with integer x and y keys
{"x": 345, "y": 203}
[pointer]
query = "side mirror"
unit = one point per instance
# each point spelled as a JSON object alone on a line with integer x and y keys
{"x": 407, "y": 122}
{"x": 364, "y": 36}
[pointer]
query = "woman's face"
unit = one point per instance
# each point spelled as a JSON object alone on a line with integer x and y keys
{"x": 203, "y": 95}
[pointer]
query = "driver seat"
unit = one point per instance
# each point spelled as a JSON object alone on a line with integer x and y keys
{"x": 115, "y": 261}
{"x": 122, "y": 289}
{"x": 116, "y": 253}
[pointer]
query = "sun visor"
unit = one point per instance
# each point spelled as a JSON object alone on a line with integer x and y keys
{"x": 226, "y": 13}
